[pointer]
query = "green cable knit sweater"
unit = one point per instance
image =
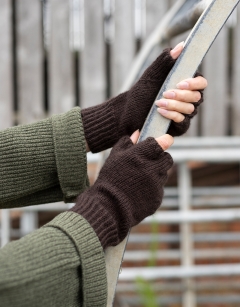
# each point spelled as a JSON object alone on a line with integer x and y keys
{"x": 62, "y": 263}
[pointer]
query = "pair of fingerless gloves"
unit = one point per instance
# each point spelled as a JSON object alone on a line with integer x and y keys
{"x": 130, "y": 184}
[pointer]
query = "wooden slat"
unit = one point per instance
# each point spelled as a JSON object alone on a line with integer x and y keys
{"x": 61, "y": 90}
{"x": 236, "y": 78}
{"x": 93, "y": 78}
{"x": 124, "y": 45}
{"x": 214, "y": 119}
{"x": 29, "y": 60}
{"x": 6, "y": 112}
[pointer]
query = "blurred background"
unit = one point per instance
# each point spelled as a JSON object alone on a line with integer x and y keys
{"x": 57, "y": 54}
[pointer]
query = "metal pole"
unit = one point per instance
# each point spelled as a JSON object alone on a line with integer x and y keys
{"x": 5, "y": 227}
{"x": 28, "y": 222}
{"x": 184, "y": 186}
{"x": 196, "y": 46}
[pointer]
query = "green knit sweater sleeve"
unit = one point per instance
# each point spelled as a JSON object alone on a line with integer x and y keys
{"x": 43, "y": 162}
{"x": 61, "y": 264}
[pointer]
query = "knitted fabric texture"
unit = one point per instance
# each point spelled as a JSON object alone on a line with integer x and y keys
{"x": 106, "y": 123}
{"x": 128, "y": 189}
{"x": 61, "y": 264}
{"x": 43, "y": 162}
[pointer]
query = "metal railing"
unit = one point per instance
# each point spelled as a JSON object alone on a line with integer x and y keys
{"x": 181, "y": 201}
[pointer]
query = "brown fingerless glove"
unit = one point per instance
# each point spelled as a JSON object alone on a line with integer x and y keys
{"x": 106, "y": 123}
{"x": 128, "y": 189}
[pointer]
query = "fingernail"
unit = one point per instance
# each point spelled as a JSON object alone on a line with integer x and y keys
{"x": 183, "y": 85}
{"x": 180, "y": 45}
{"x": 162, "y": 103}
{"x": 169, "y": 95}
{"x": 162, "y": 111}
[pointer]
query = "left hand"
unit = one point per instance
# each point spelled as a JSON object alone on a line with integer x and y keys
{"x": 176, "y": 103}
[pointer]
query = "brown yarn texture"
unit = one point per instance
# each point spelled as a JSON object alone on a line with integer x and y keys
{"x": 128, "y": 189}
{"x": 106, "y": 123}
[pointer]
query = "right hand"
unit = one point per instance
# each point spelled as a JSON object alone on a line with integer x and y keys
{"x": 128, "y": 189}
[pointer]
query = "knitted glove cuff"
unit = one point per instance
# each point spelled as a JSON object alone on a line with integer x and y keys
{"x": 104, "y": 124}
{"x": 104, "y": 225}
{"x": 100, "y": 127}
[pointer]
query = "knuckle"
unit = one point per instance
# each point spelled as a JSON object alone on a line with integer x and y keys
{"x": 201, "y": 82}
{"x": 197, "y": 96}
{"x": 175, "y": 116}
{"x": 164, "y": 143}
{"x": 190, "y": 108}
{"x": 173, "y": 105}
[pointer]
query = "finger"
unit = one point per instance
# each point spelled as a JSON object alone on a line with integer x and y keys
{"x": 183, "y": 95}
{"x": 134, "y": 137}
{"x": 175, "y": 105}
{"x": 175, "y": 52}
{"x": 173, "y": 115}
{"x": 165, "y": 141}
{"x": 198, "y": 83}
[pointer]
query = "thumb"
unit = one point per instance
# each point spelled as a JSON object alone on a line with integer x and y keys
{"x": 177, "y": 50}
{"x": 134, "y": 137}
{"x": 165, "y": 141}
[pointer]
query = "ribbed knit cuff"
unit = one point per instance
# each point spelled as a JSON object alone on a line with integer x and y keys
{"x": 91, "y": 255}
{"x": 70, "y": 153}
{"x": 99, "y": 218}
{"x": 100, "y": 129}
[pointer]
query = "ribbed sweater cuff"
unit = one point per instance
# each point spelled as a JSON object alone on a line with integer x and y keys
{"x": 100, "y": 127}
{"x": 91, "y": 254}
{"x": 70, "y": 153}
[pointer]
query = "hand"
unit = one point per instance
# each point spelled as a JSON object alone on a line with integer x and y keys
{"x": 106, "y": 123}
{"x": 178, "y": 103}
{"x": 128, "y": 189}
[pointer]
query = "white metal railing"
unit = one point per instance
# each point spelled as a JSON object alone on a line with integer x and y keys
{"x": 182, "y": 199}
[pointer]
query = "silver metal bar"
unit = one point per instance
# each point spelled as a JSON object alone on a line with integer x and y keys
{"x": 204, "y": 201}
{"x": 205, "y": 31}
{"x": 143, "y": 255}
{"x": 186, "y": 18}
{"x": 164, "y": 300}
{"x": 154, "y": 40}
{"x": 196, "y": 216}
{"x": 125, "y": 287}
{"x": 48, "y": 207}
{"x": 191, "y": 142}
{"x": 206, "y": 191}
{"x": 129, "y": 274}
{"x": 28, "y": 222}
{"x": 186, "y": 244}
{"x": 175, "y": 238}
{"x": 196, "y": 46}
{"x": 205, "y": 155}
{"x": 5, "y": 227}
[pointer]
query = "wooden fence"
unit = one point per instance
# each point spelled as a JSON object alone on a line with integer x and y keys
{"x": 55, "y": 54}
